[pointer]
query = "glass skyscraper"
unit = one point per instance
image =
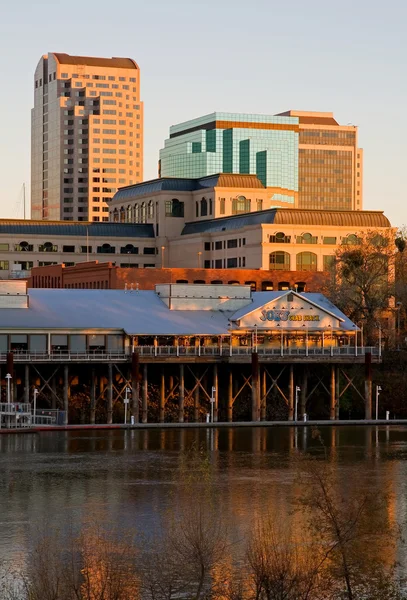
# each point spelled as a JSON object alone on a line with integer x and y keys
{"x": 262, "y": 145}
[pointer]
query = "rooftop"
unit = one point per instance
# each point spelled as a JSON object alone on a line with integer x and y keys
{"x": 92, "y": 61}
{"x": 178, "y": 184}
{"x": 290, "y": 216}
{"x": 78, "y": 229}
{"x": 311, "y": 118}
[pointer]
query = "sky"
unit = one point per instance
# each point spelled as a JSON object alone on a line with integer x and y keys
{"x": 262, "y": 56}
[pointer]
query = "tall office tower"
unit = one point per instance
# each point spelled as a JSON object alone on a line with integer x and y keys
{"x": 330, "y": 163}
{"x": 262, "y": 145}
{"x": 86, "y": 135}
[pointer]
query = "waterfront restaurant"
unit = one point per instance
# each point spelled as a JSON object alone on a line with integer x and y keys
{"x": 174, "y": 321}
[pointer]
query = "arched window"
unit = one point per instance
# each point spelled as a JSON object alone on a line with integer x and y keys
{"x": 351, "y": 240}
{"x": 252, "y": 285}
{"x": 136, "y": 213}
{"x": 267, "y": 286}
{"x": 300, "y": 286}
{"x": 115, "y": 216}
{"x": 143, "y": 215}
{"x": 204, "y": 207}
{"x": 150, "y": 211}
{"x": 210, "y": 206}
{"x": 233, "y": 282}
{"x": 280, "y": 261}
{"x": 217, "y": 282}
{"x": 280, "y": 238}
{"x": 174, "y": 208}
{"x": 283, "y": 286}
{"x": 122, "y": 215}
{"x": 129, "y": 214}
{"x": 197, "y": 209}
{"x": 182, "y": 281}
{"x": 241, "y": 204}
{"x": 307, "y": 238}
{"x": 128, "y": 249}
{"x": 306, "y": 261}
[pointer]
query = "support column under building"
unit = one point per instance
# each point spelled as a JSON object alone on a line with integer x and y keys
{"x": 263, "y": 401}
{"x": 92, "y": 397}
{"x": 54, "y": 393}
{"x": 337, "y": 392}
{"x": 144, "y": 405}
{"x": 196, "y": 404}
{"x": 162, "y": 397}
{"x": 66, "y": 394}
{"x": 135, "y": 386}
{"x": 216, "y": 393}
{"x": 255, "y": 387}
{"x": 332, "y": 410}
{"x": 181, "y": 394}
{"x": 27, "y": 384}
{"x": 110, "y": 394}
{"x": 368, "y": 385}
{"x": 303, "y": 393}
{"x": 230, "y": 397}
{"x": 291, "y": 394}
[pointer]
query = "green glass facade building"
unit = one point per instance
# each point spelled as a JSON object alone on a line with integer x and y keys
{"x": 262, "y": 145}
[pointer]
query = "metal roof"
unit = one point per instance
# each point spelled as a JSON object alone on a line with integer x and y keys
{"x": 94, "y": 61}
{"x": 66, "y": 228}
{"x": 338, "y": 218}
{"x": 180, "y": 184}
{"x": 137, "y": 313}
{"x": 230, "y": 223}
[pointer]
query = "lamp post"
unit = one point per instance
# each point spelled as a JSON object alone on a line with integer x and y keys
{"x": 126, "y": 401}
{"x": 255, "y": 337}
{"x": 297, "y": 390}
{"x": 162, "y": 256}
{"x": 378, "y": 390}
{"x": 35, "y": 405}
{"x": 399, "y": 305}
{"x": 199, "y": 259}
{"x": 212, "y": 401}
{"x": 8, "y": 377}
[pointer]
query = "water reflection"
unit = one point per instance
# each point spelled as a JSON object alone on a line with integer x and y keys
{"x": 131, "y": 478}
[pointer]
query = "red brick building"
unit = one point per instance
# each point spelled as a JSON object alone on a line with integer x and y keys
{"x": 95, "y": 275}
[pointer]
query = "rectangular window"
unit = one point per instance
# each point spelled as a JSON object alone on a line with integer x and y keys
{"x": 222, "y": 203}
{"x": 218, "y": 245}
{"x": 148, "y": 250}
{"x": 232, "y": 243}
{"x": 218, "y": 263}
{"x": 4, "y": 247}
{"x": 231, "y": 263}
{"x": 329, "y": 240}
{"x": 328, "y": 263}
{"x": 207, "y": 246}
{"x": 68, "y": 248}
{"x": 207, "y": 264}
{"x": 4, "y": 265}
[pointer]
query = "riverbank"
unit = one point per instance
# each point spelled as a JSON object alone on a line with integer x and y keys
{"x": 222, "y": 425}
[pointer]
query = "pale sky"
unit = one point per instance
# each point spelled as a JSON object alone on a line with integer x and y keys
{"x": 262, "y": 56}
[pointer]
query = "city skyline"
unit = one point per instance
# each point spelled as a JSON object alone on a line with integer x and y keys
{"x": 357, "y": 81}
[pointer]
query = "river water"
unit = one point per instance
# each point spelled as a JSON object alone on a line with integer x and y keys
{"x": 61, "y": 480}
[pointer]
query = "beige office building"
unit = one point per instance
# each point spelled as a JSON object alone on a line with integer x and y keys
{"x": 86, "y": 136}
{"x": 330, "y": 164}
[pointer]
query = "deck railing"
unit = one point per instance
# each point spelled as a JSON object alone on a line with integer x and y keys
{"x": 180, "y": 351}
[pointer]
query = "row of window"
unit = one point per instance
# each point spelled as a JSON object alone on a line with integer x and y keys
{"x": 50, "y": 247}
{"x": 226, "y": 263}
{"x": 223, "y": 244}
{"x": 265, "y": 286}
{"x": 305, "y": 261}
{"x": 134, "y": 214}
{"x": 307, "y": 238}
{"x": 60, "y": 342}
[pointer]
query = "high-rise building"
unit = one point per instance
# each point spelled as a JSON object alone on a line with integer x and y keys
{"x": 262, "y": 145}
{"x": 86, "y": 136}
{"x": 330, "y": 163}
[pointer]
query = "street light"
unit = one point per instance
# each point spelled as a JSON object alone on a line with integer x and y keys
{"x": 162, "y": 256}
{"x": 378, "y": 390}
{"x": 212, "y": 401}
{"x": 399, "y": 305}
{"x": 126, "y": 401}
{"x": 297, "y": 390}
{"x": 35, "y": 405}
{"x": 199, "y": 259}
{"x": 8, "y": 377}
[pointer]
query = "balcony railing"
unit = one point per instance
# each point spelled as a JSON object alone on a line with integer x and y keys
{"x": 185, "y": 351}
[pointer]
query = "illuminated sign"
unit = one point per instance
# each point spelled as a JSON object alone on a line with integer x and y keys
{"x": 284, "y": 315}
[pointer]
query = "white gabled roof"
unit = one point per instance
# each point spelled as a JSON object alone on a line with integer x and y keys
{"x": 318, "y": 300}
